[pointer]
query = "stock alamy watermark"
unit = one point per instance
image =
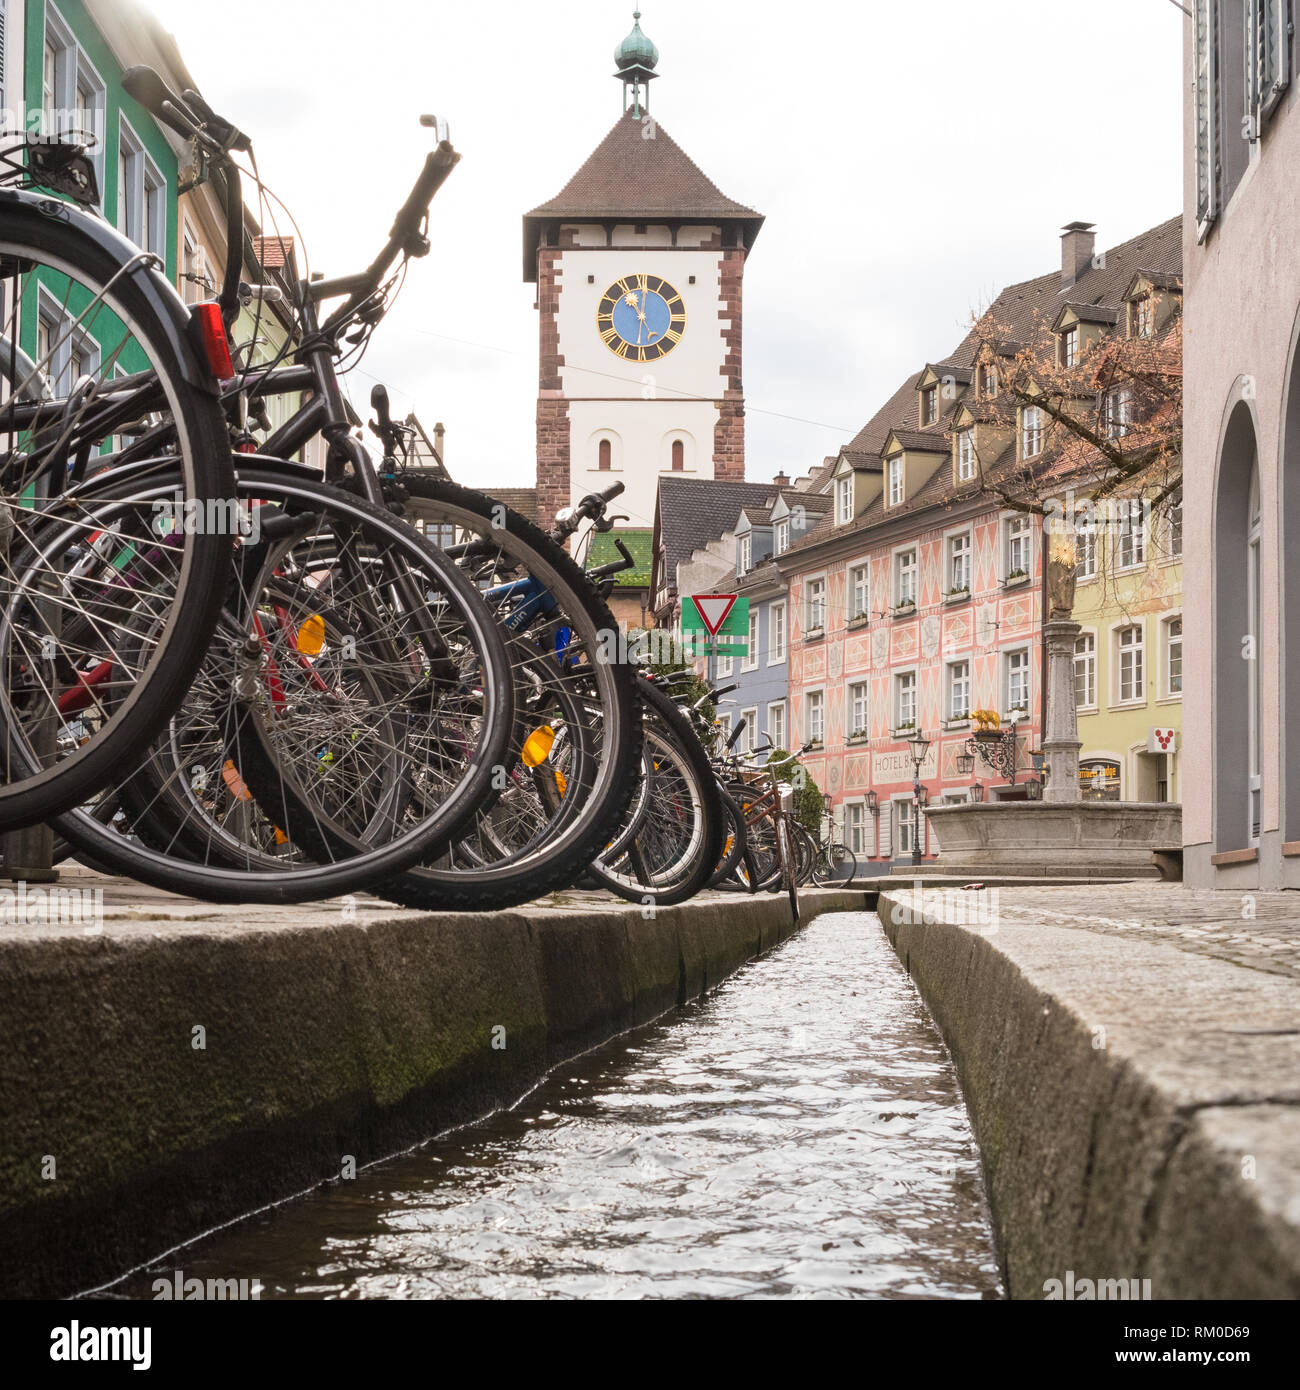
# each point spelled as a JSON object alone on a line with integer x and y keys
{"x": 25, "y": 905}
{"x": 954, "y": 907}
{"x": 77, "y": 1343}
{"x": 1073, "y": 1289}
{"x": 179, "y": 1289}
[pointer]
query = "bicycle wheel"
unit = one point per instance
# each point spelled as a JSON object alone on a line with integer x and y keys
{"x": 678, "y": 841}
{"x": 786, "y": 852}
{"x": 94, "y": 346}
{"x": 572, "y": 767}
{"x": 733, "y": 845}
{"x": 355, "y": 673}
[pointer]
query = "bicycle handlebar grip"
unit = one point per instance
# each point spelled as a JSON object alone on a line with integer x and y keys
{"x": 379, "y": 400}
{"x": 148, "y": 88}
{"x": 735, "y": 737}
{"x": 437, "y": 166}
{"x": 613, "y": 490}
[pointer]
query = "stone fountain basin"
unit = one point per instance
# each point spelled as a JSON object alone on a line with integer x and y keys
{"x": 1086, "y": 839}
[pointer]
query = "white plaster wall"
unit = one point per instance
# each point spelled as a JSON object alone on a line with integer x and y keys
{"x": 693, "y": 368}
{"x": 641, "y": 433}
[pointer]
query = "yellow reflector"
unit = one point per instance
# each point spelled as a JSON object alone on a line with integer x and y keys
{"x": 311, "y": 635}
{"x": 561, "y": 781}
{"x": 537, "y": 746}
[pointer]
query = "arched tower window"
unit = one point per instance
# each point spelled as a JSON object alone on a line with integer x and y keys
{"x": 679, "y": 456}
{"x": 605, "y": 459}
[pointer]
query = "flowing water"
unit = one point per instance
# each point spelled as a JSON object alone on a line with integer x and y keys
{"x": 799, "y": 1133}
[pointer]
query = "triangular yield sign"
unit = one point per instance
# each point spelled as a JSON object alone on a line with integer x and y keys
{"x": 713, "y": 610}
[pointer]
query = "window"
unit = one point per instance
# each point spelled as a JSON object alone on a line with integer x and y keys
{"x": 843, "y": 501}
{"x": 1143, "y": 316}
{"x": 905, "y": 701}
{"x": 816, "y": 604}
{"x": 193, "y": 276}
{"x": 781, "y": 537}
{"x": 814, "y": 723}
{"x": 988, "y": 382}
{"x": 69, "y": 353}
{"x": 678, "y": 456}
{"x": 72, "y": 91}
{"x": 745, "y": 559}
{"x": 903, "y": 826}
{"x": 929, "y": 405}
{"x": 1031, "y": 431}
{"x": 1174, "y": 656}
{"x": 959, "y": 549}
{"x": 905, "y": 578}
{"x": 1085, "y": 547}
{"x": 749, "y": 662}
{"x": 725, "y": 664}
{"x": 724, "y": 725}
{"x": 776, "y": 724}
{"x": 965, "y": 455}
{"x": 1019, "y": 547}
{"x": 1070, "y": 347}
{"x": 1174, "y": 525}
{"x": 1254, "y": 688}
{"x": 895, "y": 480}
{"x": 1085, "y": 671}
{"x": 959, "y": 690}
{"x": 855, "y": 834}
{"x": 859, "y": 708}
{"x": 1117, "y": 412}
{"x": 750, "y": 736}
{"x": 1017, "y": 683}
{"x": 1099, "y": 780}
{"x": 1132, "y": 683}
{"x": 1131, "y": 552}
{"x": 141, "y": 194}
{"x": 860, "y": 591}
{"x": 776, "y": 633}
{"x": 605, "y": 456}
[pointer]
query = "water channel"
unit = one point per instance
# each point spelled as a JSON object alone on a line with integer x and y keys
{"x": 799, "y": 1133}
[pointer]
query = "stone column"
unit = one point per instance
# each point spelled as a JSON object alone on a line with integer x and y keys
{"x": 1061, "y": 742}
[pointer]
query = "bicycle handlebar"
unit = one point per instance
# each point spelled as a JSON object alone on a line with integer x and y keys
{"x": 736, "y": 733}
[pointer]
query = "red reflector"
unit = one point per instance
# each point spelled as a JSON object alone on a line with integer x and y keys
{"x": 212, "y": 332}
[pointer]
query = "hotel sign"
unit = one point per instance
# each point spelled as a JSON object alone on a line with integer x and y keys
{"x": 897, "y": 767}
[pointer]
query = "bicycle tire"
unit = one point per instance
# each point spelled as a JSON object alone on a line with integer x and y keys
{"x": 39, "y": 232}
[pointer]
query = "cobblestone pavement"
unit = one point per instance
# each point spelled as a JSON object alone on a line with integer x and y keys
{"x": 1260, "y": 931}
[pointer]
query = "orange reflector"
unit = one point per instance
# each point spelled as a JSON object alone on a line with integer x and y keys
{"x": 311, "y": 635}
{"x": 537, "y": 746}
{"x": 212, "y": 334}
{"x": 230, "y": 776}
{"x": 561, "y": 781}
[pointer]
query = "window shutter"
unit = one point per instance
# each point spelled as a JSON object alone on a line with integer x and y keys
{"x": 1205, "y": 102}
{"x": 1274, "y": 52}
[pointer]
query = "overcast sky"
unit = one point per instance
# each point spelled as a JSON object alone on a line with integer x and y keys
{"x": 910, "y": 159}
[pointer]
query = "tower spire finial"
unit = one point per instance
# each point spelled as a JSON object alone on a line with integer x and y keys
{"x": 636, "y": 58}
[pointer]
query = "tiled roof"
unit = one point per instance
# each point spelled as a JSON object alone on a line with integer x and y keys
{"x": 1022, "y": 311}
{"x": 690, "y": 512}
{"x": 635, "y": 179}
{"x": 519, "y": 499}
{"x": 273, "y": 252}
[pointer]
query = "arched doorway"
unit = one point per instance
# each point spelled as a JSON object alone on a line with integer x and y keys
{"x": 1235, "y": 710}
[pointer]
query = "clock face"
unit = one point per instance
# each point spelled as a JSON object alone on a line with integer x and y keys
{"x": 641, "y": 318}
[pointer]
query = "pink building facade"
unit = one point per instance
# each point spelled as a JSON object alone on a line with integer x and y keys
{"x": 872, "y": 674}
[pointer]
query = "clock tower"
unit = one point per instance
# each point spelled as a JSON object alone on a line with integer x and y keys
{"x": 639, "y": 263}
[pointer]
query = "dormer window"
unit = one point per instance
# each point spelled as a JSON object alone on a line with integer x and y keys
{"x": 1031, "y": 431}
{"x": 781, "y": 537}
{"x": 929, "y": 405}
{"x": 965, "y": 456}
{"x": 1142, "y": 317}
{"x": 1069, "y": 347}
{"x": 895, "y": 467}
{"x": 746, "y": 560}
{"x": 988, "y": 382}
{"x": 843, "y": 500}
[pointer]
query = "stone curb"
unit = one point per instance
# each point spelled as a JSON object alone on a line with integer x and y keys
{"x": 321, "y": 1038}
{"x": 1137, "y": 1107}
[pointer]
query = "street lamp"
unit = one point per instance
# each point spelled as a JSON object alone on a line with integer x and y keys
{"x": 965, "y": 764}
{"x": 977, "y": 793}
{"x": 920, "y": 746}
{"x": 873, "y": 803}
{"x": 827, "y": 803}
{"x": 1034, "y": 789}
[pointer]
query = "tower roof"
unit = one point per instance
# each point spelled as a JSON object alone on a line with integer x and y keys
{"x": 632, "y": 178}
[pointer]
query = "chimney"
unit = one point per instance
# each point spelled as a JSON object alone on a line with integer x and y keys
{"x": 1077, "y": 242}
{"x": 781, "y": 480}
{"x": 438, "y": 435}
